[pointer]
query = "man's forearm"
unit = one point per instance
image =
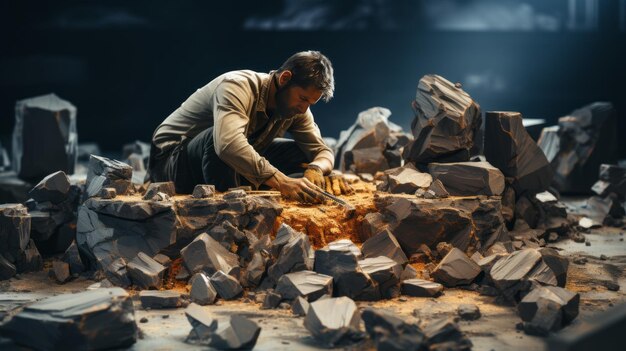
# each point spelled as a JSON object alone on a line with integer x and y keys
{"x": 324, "y": 164}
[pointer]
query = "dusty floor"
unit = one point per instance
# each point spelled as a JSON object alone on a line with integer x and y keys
{"x": 495, "y": 330}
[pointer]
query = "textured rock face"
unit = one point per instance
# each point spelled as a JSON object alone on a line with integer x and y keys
{"x": 124, "y": 226}
{"x": 582, "y": 141}
{"x": 333, "y": 321}
{"x": 456, "y": 269}
{"x": 446, "y": 122}
{"x": 468, "y": 178}
{"x": 37, "y": 154}
{"x": 509, "y": 148}
{"x": 91, "y": 320}
{"x": 469, "y": 222}
{"x": 17, "y": 250}
{"x": 107, "y": 173}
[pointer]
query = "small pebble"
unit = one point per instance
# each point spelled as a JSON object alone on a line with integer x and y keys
{"x": 143, "y": 320}
{"x": 403, "y": 299}
{"x": 587, "y": 243}
{"x": 165, "y": 316}
{"x": 604, "y": 257}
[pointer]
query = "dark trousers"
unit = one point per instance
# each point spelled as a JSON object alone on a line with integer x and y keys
{"x": 195, "y": 162}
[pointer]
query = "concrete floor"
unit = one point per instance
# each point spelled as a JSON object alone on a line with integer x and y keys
{"x": 495, "y": 330}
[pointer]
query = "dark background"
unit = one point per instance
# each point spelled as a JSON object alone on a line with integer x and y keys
{"x": 127, "y": 64}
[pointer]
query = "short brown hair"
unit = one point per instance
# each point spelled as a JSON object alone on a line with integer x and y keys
{"x": 311, "y": 68}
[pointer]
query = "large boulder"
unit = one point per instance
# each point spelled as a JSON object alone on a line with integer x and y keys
{"x": 511, "y": 149}
{"x": 44, "y": 137}
{"x": 90, "y": 320}
{"x": 445, "y": 124}
{"x": 468, "y": 178}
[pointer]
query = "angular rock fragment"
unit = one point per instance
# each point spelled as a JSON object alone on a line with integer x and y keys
{"x": 227, "y": 286}
{"x": 468, "y": 312}
{"x": 107, "y": 193}
{"x": 409, "y": 272}
{"x": 255, "y": 270}
{"x": 345, "y": 245}
{"x": 145, "y": 272}
{"x": 284, "y": 234}
{"x": 438, "y": 189}
{"x": 366, "y": 160}
{"x": 205, "y": 254}
{"x": 445, "y": 124}
{"x": 445, "y": 332}
{"x": 117, "y": 274}
{"x": 407, "y": 180}
{"x": 421, "y": 288}
{"x": 61, "y": 271}
{"x": 348, "y": 277}
{"x": 385, "y": 272}
{"x": 160, "y": 187}
{"x": 202, "y": 324}
{"x": 151, "y": 299}
{"x": 468, "y": 178}
{"x": 534, "y": 307}
{"x": 372, "y": 224}
{"x": 235, "y": 194}
{"x": 384, "y": 244}
{"x": 296, "y": 255}
{"x": 509, "y": 273}
{"x": 107, "y": 173}
{"x": 163, "y": 260}
{"x": 201, "y": 292}
{"x": 37, "y": 154}
{"x": 203, "y": 191}
{"x": 29, "y": 260}
{"x": 390, "y": 332}
{"x": 299, "y": 306}
{"x": 235, "y": 334}
{"x": 511, "y": 149}
{"x": 15, "y": 227}
{"x": 333, "y": 321}
{"x": 272, "y": 300}
{"x": 72, "y": 257}
{"x": 91, "y": 320}
{"x": 456, "y": 269}
{"x": 307, "y": 284}
{"x": 54, "y": 188}
{"x": 612, "y": 179}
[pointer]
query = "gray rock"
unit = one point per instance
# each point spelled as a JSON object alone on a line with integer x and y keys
{"x": 164, "y": 260}
{"x": 61, "y": 271}
{"x": 307, "y": 284}
{"x": 345, "y": 245}
{"x": 272, "y": 300}
{"x": 235, "y": 194}
{"x": 384, "y": 244}
{"x": 456, "y": 269}
{"x": 255, "y": 270}
{"x": 72, "y": 257}
{"x": 511, "y": 149}
{"x": 203, "y": 191}
{"x": 202, "y": 324}
{"x": 29, "y": 260}
{"x": 333, "y": 321}
{"x": 446, "y": 122}
{"x": 409, "y": 272}
{"x": 468, "y": 312}
{"x": 511, "y": 274}
{"x": 385, "y": 272}
{"x": 296, "y": 255}
{"x": 153, "y": 299}
{"x": 535, "y": 309}
{"x": 205, "y": 254}
{"x": 468, "y": 178}
{"x": 90, "y": 320}
{"x": 438, "y": 189}
{"x": 445, "y": 330}
{"x": 284, "y": 234}
{"x": 107, "y": 173}
{"x": 348, "y": 277}
{"x": 406, "y": 180}
{"x": 372, "y": 224}
{"x": 237, "y": 333}
{"x": 227, "y": 286}
{"x": 159, "y": 187}
{"x": 145, "y": 272}
{"x": 299, "y": 306}
{"x": 15, "y": 227}
{"x": 54, "y": 188}
{"x": 390, "y": 332}
{"x": 59, "y": 143}
{"x": 421, "y": 288}
{"x": 202, "y": 292}
{"x": 117, "y": 274}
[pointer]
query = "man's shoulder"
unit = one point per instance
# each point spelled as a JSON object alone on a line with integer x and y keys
{"x": 244, "y": 77}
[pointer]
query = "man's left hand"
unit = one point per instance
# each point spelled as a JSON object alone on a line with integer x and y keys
{"x": 336, "y": 184}
{"x": 316, "y": 176}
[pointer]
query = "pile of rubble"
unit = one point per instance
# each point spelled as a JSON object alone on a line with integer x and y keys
{"x": 442, "y": 217}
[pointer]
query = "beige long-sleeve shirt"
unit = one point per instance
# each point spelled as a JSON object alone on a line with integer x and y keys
{"x": 234, "y": 105}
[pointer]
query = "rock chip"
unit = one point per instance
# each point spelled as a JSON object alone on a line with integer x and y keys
{"x": 145, "y": 272}
{"x": 456, "y": 269}
{"x": 54, "y": 188}
{"x": 333, "y": 321}
{"x": 421, "y": 288}
{"x": 227, "y": 286}
{"x": 201, "y": 292}
{"x": 155, "y": 299}
{"x": 307, "y": 284}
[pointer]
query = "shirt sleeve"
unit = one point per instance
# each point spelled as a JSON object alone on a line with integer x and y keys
{"x": 230, "y": 103}
{"x": 308, "y": 137}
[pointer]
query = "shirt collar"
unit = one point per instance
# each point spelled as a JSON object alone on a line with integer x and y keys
{"x": 265, "y": 92}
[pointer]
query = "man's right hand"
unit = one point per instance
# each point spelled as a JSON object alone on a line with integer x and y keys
{"x": 299, "y": 189}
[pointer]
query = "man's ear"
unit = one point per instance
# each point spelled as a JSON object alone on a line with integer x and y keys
{"x": 285, "y": 77}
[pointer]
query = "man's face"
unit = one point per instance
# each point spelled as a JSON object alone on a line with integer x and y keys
{"x": 292, "y": 99}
